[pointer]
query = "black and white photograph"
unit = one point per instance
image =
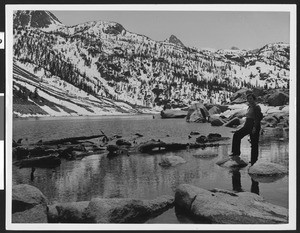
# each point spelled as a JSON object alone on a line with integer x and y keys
{"x": 151, "y": 117}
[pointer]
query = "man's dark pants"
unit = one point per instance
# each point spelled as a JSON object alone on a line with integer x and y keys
{"x": 242, "y": 132}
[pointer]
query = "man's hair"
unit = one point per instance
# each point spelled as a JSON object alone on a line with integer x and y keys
{"x": 252, "y": 95}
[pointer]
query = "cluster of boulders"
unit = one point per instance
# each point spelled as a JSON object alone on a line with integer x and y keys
{"x": 274, "y": 106}
{"x": 272, "y": 97}
{"x": 29, "y": 205}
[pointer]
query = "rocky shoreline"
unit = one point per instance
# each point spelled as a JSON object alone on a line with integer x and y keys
{"x": 217, "y": 206}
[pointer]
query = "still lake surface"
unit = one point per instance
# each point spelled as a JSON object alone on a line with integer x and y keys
{"x": 140, "y": 175}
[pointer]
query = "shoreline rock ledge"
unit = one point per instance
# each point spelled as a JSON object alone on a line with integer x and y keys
{"x": 29, "y": 205}
{"x": 226, "y": 207}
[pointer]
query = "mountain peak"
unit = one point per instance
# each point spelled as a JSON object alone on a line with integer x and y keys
{"x": 174, "y": 40}
{"x": 35, "y": 19}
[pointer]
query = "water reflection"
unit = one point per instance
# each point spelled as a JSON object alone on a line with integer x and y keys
{"x": 140, "y": 175}
{"x": 237, "y": 184}
{"x": 254, "y": 187}
{"x": 236, "y": 180}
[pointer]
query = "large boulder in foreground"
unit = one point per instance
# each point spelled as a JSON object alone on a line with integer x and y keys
{"x": 71, "y": 212}
{"x": 226, "y": 207}
{"x": 25, "y": 197}
{"x": 267, "y": 172}
{"x": 36, "y": 214}
{"x": 29, "y": 205}
{"x": 232, "y": 162}
{"x": 102, "y": 210}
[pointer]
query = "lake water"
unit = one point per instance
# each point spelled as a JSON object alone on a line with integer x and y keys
{"x": 140, "y": 175}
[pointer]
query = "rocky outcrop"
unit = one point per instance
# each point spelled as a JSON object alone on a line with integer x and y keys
{"x": 278, "y": 98}
{"x": 214, "y": 110}
{"x": 217, "y": 121}
{"x": 171, "y": 160}
{"x": 101, "y": 210}
{"x": 234, "y": 122}
{"x": 29, "y": 205}
{"x": 226, "y": 207}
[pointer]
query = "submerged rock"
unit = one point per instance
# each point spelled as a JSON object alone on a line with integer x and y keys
{"x": 102, "y": 210}
{"x": 112, "y": 148}
{"x": 149, "y": 146}
{"x": 194, "y": 133}
{"x": 205, "y": 154}
{"x": 232, "y": 162}
{"x": 171, "y": 160}
{"x": 226, "y": 207}
{"x": 123, "y": 142}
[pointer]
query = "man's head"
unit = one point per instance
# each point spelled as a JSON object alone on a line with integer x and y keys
{"x": 251, "y": 98}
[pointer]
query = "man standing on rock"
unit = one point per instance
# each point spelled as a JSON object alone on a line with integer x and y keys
{"x": 251, "y": 127}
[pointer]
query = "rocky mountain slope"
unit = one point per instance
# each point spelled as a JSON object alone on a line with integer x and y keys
{"x": 98, "y": 67}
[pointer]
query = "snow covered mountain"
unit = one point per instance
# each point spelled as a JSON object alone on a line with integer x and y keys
{"x": 101, "y": 61}
{"x": 36, "y": 19}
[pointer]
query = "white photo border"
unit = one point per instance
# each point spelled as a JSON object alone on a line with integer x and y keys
{"x": 291, "y": 8}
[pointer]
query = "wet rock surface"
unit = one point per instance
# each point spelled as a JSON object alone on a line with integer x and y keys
{"x": 172, "y": 160}
{"x": 72, "y": 212}
{"x": 30, "y": 206}
{"x": 25, "y": 197}
{"x": 263, "y": 168}
{"x": 36, "y": 214}
{"x": 101, "y": 210}
{"x": 232, "y": 162}
{"x": 226, "y": 207}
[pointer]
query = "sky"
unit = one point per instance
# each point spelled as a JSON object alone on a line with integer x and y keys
{"x": 200, "y": 29}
